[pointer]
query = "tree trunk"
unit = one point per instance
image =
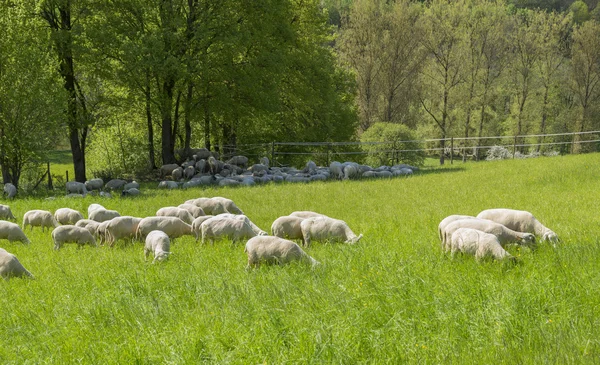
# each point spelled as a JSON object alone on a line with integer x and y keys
{"x": 151, "y": 159}
{"x": 188, "y": 117}
{"x": 544, "y": 117}
{"x": 168, "y": 142}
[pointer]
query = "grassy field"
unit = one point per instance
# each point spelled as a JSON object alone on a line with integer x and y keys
{"x": 392, "y": 298}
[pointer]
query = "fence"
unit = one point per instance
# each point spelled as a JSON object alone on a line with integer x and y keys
{"x": 281, "y": 153}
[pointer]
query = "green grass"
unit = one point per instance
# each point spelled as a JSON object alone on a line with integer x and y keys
{"x": 392, "y": 298}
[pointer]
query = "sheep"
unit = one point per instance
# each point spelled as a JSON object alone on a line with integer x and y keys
{"x": 521, "y": 221}
{"x": 101, "y": 231}
{"x": 103, "y": 215}
{"x": 477, "y": 243}
{"x": 241, "y": 161}
{"x": 231, "y": 228}
{"x": 505, "y": 235}
{"x": 189, "y": 172}
{"x": 255, "y": 228}
{"x": 67, "y": 216}
{"x": 336, "y": 170}
{"x": 180, "y": 213}
{"x": 10, "y": 190}
{"x": 74, "y": 187}
{"x": 12, "y": 232}
{"x": 172, "y": 226}
{"x": 449, "y": 219}
{"x": 88, "y": 224}
{"x": 94, "y": 184}
{"x": 130, "y": 192}
{"x": 210, "y": 206}
{"x": 350, "y": 171}
{"x": 306, "y": 214}
{"x": 195, "y": 211}
{"x": 6, "y": 213}
{"x": 277, "y": 250}
{"x": 166, "y": 170}
{"x": 287, "y": 227}
{"x": 177, "y": 174}
{"x": 72, "y": 234}
{"x": 11, "y": 267}
{"x": 132, "y": 185}
{"x": 39, "y": 218}
{"x": 115, "y": 184}
{"x": 325, "y": 228}
{"x": 158, "y": 243}
{"x": 264, "y": 161}
{"x": 93, "y": 207}
{"x": 105, "y": 194}
{"x": 121, "y": 227}
{"x": 168, "y": 185}
{"x": 197, "y": 223}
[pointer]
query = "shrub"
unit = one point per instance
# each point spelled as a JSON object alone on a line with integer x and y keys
{"x": 396, "y": 144}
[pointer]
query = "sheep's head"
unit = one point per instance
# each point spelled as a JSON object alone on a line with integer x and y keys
{"x": 528, "y": 239}
{"x": 354, "y": 239}
{"x": 550, "y": 237}
{"x": 162, "y": 256}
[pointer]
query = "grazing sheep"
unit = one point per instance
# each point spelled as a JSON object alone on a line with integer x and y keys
{"x": 74, "y": 187}
{"x": 210, "y": 206}
{"x": 180, "y": 213}
{"x": 67, "y": 216}
{"x": 101, "y": 231}
{"x": 39, "y": 218}
{"x": 115, "y": 184}
{"x": 449, "y": 219}
{"x": 158, "y": 243}
{"x": 103, "y": 215}
{"x": 94, "y": 184}
{"x": 88, "y": 224}
{"x": 287, "y": 227}
{"x": 10, "y": 190}
{"x": 325, "y": 228}
{"x": 72, "y": 234}
{"x": 255, "y": 228}
{"x": 228, "y": 204}
{"x": 351, "y": 171}
{"x": 166, "y": 170}
{"x": 5, "y": 212}
{"x": 121, "y": 227}
{"x": 269, "y": 249}
{"x": 11, "y": 267}
{"x": 168, "y": 185}
{"x": 177, "y": 174}
{"x": 197, "y": 223}
{"x": 520, "y": 221}
{"x": 172, "y": 226}
{"x": 337, "y": 170}
{"x": 12, "y": 232}
{"x": 306, "y": 214}
{"x": 477, "y": 243}
{"x": 194, "y": 210}
{"x": 505, "y": 235}
{"x": 93, "y": 207}
{"x": 231, "y": 228}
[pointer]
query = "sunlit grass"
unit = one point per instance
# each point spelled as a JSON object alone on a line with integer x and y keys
{"x": 392, "y": 298}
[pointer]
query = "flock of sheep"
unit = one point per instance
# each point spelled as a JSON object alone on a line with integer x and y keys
{"x": 208, "y": 219}
{"x": 488, "y": 233}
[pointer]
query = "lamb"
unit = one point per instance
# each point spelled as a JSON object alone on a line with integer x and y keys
{"x": 88, "y": 224}
{"x": 172, "y": 226}
{"x": 121, "y": 227}
{"x": 195, "y": 211}
{"x": 11, "y": 267}
{"x": 72, "y": 234}
{"x": 449, "y": 219}
{"x": 10, "y": 190}
{"x": 325, "y": 228}
{"x": 287, "y": 227}
{"x": 505, "y": 235}
{"x": 158, "y": 243}
{"x": 521, "y": 221}
{"x": 67, "y": 216}
{"x": 12, "y": 232}
{"x": 74, "y": 187}
{"x": 180, "y": 213}
{"x": 231, "y": 228}
{"x": 255, "y": 228}
{"x": 306, "y": 214}
{"x": 93, "y": 207}
{"x": 197, "y": 223}
{"x": 94, "y": 184}
{"x": 478, "y": 243}
{"x": 103, "y": 215}
{"x": 5, "y": 212}
{"x": 39, "y": 218}
{"x": 271, "y": 249}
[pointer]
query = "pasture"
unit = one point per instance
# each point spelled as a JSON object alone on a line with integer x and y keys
{"x": 392, "y": 298}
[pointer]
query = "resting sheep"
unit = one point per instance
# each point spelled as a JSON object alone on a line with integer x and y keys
{"x": 172, "y": 226}
{"x": 180, "y": 213}
{"x": 121, "y": 227}
{"x": 67, "y": 216}
{"x": 158, "y": 243}
{"x": 287, "y": 227}
{"x": 325, "y": 228}
{"x": 166, "y": 170}
{"x": 194, "y": 210}
{"x": 168, "y": 185}
{"x": 521, "y": 221}
{"x": 5, "y": 212}
{"x": 277, "y": 250}
{"x": 12, "y": 232}
{"x": 72, "y": 234}
{"x": 477, "y": 243}
{"x": 39, "y": 218}
{"x": 505, "y": 235}
{"x": 234, "y": 229}
{"x": 11, "y": 267}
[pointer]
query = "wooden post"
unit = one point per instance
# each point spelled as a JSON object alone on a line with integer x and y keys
{"x": 272, "y": 153}
{"x": 67, "y": 175}
{"x": 50, "y": 187}
{"x": 451, "y": 150}
{"x": 328, "y": 151}
{"x": 514, "y": 146}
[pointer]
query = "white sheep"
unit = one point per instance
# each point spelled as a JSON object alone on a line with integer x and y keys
{"x": 88, "y": 224}
{"x": 94, "y": 184}
{"x": 39, "y": 218}
{"x": 5, "y": 212}
{"x": 132, "y": 185}
{"x": 270, "y": 249}
{"x": 72, "y": 234}
{"x": 93, "y": 207}
{"x": 74, "y": 187}
{"x": 12, "y": 232}
{"x": 121, "y": 227}
{"x": 115, "y": 184}
{"x": 505, "y": 235}
{"x": 234, "y": 229}
{"x": 287, "y": 227}
{"x": 255, "y": 228}
{"x": 11, "y": 267}
{"x": 166, "y": 170}
{"x": 520, "y": 221}
{"x": 337, "y": 170}
{"x": 168, "y": 185}
{"x": 101, "y": 231}
{"x": 194, "y": 210}
{"x": 172, "y": 226}
{"x": 228, "y": 204}
{"x": 158, "y": 243}
{"x": 197, "y": 224}
{"x": 180, "y": 213}
{"x": 306, "y": 214}
{"x": 177, "y": 173}
{"x": 449, "y": 219}
{"x": 103, "y": 215}
{"x": 67, "y": 216}
{"x": 210, "y": 206}
{"x": 10, "y": 190}
{"x": 325, "y": 228}
{"x": 130, "y": 192}
{"x": 477, "y": 243}
{"x": 189, "y": 172}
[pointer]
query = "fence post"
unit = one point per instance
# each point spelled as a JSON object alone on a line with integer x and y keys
{"x": 273, "y": 153}
{"x": 451, "y": 150}
{"x": 67, "y": 175}
{"x": 514, "y": 146}
{"x": 50, "y": 187}
{"x": 328, "y": 151}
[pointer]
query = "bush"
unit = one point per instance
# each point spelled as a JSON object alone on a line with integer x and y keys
{"x": 397, "y": 145}
{"x": 497, "y": 153}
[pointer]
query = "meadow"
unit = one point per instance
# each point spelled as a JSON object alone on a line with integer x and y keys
{"x": 392, "y": 298}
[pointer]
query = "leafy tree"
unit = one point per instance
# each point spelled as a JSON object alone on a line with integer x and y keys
{"x": 397, "y": 145}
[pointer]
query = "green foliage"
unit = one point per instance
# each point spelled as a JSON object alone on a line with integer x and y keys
{"x": 580, "y": 12}
{"x": 397, "y": 142}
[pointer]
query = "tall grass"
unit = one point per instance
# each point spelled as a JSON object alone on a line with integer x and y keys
{"x": 392, "y": 298}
